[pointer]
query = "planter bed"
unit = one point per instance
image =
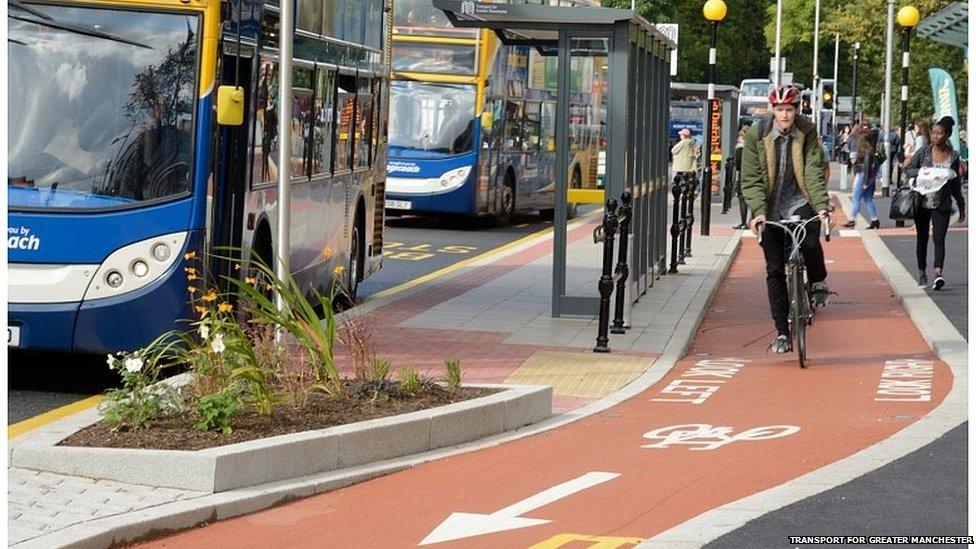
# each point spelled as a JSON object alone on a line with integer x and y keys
{"x": 286, "y": 456}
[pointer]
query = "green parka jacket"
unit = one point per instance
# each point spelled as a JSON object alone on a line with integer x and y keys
{"x": 759, "y": 166}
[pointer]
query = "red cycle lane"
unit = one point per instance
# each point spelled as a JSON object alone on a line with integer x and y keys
{"x": 728, "y": 421}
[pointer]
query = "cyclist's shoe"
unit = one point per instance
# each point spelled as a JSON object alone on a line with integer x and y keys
{"x": 819, "y": 293}
{"x": 939, "y": 283}
{"x": 781, "y": 345}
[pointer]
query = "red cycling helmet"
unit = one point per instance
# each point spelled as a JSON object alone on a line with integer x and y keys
{"x": 784, "y": 94}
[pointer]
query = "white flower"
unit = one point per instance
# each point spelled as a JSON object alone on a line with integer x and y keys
{"x": 204, "y": 331}
{"x": 110, "y": 361}
{"x": 133, "y": 364}
{"x": 217, "y": 344}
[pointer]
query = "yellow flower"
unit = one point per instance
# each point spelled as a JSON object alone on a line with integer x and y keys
{"x": 337, "y": 272}
{"x": 200, "y": 309}
{"x": 191, "y": 289}
{"x": 192, "y": 276}
{"x": 210, "y": 296}
{"x": 190, "y": 270}
{"x": 268, "y": 287}
{"x": 250, "y": 280}
{"x": 237, "y": 266}
{"x": 225, "y": 307}
{"x": 190, "y": 255}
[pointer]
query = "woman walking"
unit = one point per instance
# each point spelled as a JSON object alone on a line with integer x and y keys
{"x": 683, "y": 153}
{"x": 865, "y": 170}
{"x": 936, "y": 188}
{"x": 921, "y": 138}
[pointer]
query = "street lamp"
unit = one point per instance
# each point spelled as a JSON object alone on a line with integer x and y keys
{"x": 908, "y": 17}
{"x": 714, "y": 11}
{"x": 854, "y": 117}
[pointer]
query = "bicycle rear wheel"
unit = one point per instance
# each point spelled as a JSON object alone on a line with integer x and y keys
{"x": 799, "y": 312}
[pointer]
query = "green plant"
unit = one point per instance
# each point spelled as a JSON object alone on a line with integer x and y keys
{"x": 299, "y": 319}
{"x": 381, "y": 369}
{"x": 410, "y": 380}
{"x": 452, "y": 367}
{"x": 142, "y": 396}
{"x": 215, "y": 410}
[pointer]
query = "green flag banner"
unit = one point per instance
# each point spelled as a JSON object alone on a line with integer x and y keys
{"x": 944, "y": 95}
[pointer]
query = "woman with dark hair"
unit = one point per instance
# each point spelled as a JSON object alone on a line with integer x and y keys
{"x": 866, "y": 171}
{"x": 937, "y": 188}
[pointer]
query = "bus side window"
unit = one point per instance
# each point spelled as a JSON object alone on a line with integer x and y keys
{"x": 301, "y": 122}
{"x": 532, "y": 126}
{"x": 364, "y": 123}
{"x": 513, "y": 125}
{"x": 324, "y": 120}
{"x": 548, "y": 134}
{"x": 345, "y": 108}
{"x": 264, "y": 150}
{"x": 375, "y": 130}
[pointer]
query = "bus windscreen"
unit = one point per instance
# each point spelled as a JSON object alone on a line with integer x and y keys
{"x": 431, "y": 118}
{"x": 102, "y": 106}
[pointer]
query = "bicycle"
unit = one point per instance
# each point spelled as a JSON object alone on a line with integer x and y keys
{"x": 801, "y": 307}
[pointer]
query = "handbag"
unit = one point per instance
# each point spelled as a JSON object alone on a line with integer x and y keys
{"x": 904, "y": 203}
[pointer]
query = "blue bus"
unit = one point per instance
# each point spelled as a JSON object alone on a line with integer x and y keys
{"x": 472, "y": 122}
{"x": 118, "y": 174}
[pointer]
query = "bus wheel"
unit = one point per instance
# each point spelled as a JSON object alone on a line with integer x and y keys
{"x": 572, "y": 208}
{"x": 352, "y": 271}
{"x": 507, "y": 209}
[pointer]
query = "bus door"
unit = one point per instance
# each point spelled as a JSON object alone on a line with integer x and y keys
{"x": 490, "y": 157}
{"x": 228, "y": 192}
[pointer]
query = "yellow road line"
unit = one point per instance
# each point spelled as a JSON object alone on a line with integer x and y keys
{"x": 27, "y": 425}
{"x": 462, "y": 264}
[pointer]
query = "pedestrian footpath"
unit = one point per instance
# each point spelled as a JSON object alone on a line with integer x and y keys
{"x": 493, "y": 313}
{"x": 728, "y": 434}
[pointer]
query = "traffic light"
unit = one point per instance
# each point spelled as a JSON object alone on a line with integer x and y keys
{"x": 827, "y": 97}
{"x": 805, "y": 106}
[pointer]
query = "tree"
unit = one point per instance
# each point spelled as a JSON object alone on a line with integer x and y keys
{"x": 733, "y": 62}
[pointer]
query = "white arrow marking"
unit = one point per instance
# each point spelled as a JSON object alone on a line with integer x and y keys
{"x": 464, "y": 525}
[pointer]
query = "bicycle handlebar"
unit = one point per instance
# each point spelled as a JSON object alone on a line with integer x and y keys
{"x": 793, "y": 228}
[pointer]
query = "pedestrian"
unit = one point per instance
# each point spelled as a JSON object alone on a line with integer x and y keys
{"x": 866, "y": 164}
{"x": 782, "y": 176}
{"x": 683, "y": 153}
{"x": 936, "y": 187}
{"x": 841, "y": 146}
{"x": 921, "y": 138}
{"x": 740, "y": 142}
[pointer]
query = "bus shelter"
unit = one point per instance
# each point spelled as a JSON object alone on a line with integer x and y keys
{"x": 688, "y": 103}
{"x": 636, "y": 121}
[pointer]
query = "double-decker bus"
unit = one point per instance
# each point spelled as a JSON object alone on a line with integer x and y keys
{"x": 472, "y": 122}
{"x": 753, "y": 100}
{"x": 119, "y": 174}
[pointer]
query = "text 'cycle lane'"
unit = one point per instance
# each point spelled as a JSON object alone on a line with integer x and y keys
{"x": 728, "y": 421}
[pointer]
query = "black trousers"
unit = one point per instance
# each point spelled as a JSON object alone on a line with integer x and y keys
{"x": 939, "y": 221}
{"x": 776, "y": 244}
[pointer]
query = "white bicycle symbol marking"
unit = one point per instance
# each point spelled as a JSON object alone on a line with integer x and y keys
{"x": 709, "y": 438}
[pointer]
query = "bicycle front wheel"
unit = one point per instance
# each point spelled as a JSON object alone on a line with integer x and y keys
{"x": 799, "y": 314}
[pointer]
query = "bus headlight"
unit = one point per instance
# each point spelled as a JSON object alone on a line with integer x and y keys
{"x": 134, "y": 259}
{"x": 160, "y": 252}
{"x": 452, "y": 179}
{"x": 114, "y": 279}
{"x": 139, "y": 268}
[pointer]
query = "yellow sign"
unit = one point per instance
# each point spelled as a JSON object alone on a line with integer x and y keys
{"x": 716, "y": 157}
{"x": 598, "y": 542}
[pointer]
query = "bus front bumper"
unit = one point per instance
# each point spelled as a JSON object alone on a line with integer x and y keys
{"x": 122, "y": 323}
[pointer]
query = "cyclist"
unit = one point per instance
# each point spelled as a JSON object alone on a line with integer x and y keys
{"x": 782, "y": 176}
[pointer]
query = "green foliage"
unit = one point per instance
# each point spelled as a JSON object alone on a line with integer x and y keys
{"x": 410, "y": 380}
{"x": 452, "y": 367}
{"x": 381, "y": 369}
{"x": 142, "y": 396}
{"x": 215, "y": 410}
{"x": 299, "y": 318}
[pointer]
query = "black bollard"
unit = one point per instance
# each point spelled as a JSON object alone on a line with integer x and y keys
{"x": 685, "y": 206}
{"x": 692, "y": 191}
{"x": 677, "y": 222}
{"x": 622, "y": 271}
{"x": 609, "y": 227}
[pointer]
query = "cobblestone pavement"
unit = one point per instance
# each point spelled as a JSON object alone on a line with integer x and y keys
{"x": 39, "y": 503}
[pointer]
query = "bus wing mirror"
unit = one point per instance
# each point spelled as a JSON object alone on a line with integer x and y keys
{"x": 230, "y": 105}
{"x": 486, "y": 120}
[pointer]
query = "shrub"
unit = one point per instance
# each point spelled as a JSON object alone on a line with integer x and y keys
{"x": 142, "y": 396}
{"x": 215, "y": 410}
{"x": 452, "y": 367}
{"x": 410, "y": 380}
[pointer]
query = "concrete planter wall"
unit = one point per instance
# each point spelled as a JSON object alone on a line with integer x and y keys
{"x": 287, "y": 456}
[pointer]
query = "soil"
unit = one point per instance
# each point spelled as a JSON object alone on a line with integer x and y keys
{"x": 176, "y": 432}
